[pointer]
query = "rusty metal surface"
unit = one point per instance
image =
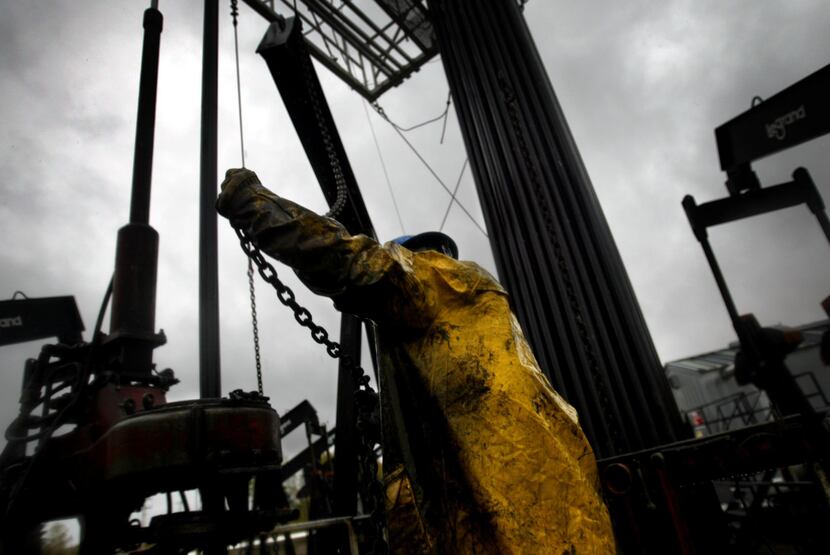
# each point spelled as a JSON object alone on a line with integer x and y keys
{"x": 181, "y": 442}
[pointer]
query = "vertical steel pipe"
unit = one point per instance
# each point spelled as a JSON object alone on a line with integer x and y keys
{"x": 209, "y": 370}
{"x": 554, "y": 251}
{"x": 146, "y": 118}
{"x": 133, "y": 313}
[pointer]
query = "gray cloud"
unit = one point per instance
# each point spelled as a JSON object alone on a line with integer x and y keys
{"x": 643, "y": 87}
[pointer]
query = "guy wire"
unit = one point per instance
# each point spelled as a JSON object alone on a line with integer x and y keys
{"x": 383, "y": 165}
{"x": 454, "y": 192}
{"x": 429, "y": 168}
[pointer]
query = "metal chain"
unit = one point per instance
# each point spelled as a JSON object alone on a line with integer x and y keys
{"x": 328, "y": 142}
{"x": 255, "y": 325}
{"x": 564, "y": 270}
{"x": 366, "y": 399}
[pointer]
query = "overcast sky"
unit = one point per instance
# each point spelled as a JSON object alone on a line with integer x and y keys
{"x": 643, "y": 85}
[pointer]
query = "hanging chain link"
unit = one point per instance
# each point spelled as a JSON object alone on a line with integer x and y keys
{"x": 328, "y": 142}
{"x": 366, "y": 399}
{"x": 564, "y": 269}
{"x": 255, "y": 325}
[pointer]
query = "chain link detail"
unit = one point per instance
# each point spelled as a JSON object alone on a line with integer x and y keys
{"x": 328, "y": 142}
{"x": 255, "y": 325}
{"x": 366, "y": 399}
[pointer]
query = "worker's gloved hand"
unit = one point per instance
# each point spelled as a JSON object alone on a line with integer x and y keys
{"x": 239, "y": 186}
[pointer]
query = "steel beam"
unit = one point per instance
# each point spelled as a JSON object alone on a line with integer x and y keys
{"x": 287, "y": 55}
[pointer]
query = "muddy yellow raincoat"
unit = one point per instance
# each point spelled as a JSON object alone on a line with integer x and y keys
{"x": 481, "y": 455}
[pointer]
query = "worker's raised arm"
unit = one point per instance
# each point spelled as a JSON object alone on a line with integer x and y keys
{"x": 362, "y": 277}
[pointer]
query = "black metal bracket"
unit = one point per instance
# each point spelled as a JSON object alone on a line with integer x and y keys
{"x": 763, "y": 350}
{"x": 29, "y": 319}
{"x": 795, "y": 115}
{"x": 756, "y": 201}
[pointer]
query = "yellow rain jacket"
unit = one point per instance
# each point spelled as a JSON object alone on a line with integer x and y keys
{"x": 481, "y": 455}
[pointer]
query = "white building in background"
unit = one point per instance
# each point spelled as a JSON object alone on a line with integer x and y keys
{"x": 707, "y": 393}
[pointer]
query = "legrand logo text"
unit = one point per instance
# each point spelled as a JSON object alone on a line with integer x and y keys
{"x": 14, "y": 322}
{"x": 778, "y": 128}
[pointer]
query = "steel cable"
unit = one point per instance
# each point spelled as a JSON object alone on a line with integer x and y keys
{"x": 380, "y": 111}
{"x": 383, "y": 165}
{"x": 454, "y": 192}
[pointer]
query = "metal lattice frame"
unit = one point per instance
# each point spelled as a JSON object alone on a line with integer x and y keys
{"x": 372, "y": 48}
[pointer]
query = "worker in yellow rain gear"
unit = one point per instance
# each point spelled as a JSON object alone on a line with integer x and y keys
{"x": 480, "y": 454}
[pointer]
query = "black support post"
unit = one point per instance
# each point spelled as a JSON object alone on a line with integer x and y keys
{"x": 209, "y": 372}
{"x": 554, "y": 251}
{"x": 345, "y": 440}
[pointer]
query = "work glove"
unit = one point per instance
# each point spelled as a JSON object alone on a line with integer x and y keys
{"x": 238, "y": 188}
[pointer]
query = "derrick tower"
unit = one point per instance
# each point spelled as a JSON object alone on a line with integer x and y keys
{"x": 553, "y": 248}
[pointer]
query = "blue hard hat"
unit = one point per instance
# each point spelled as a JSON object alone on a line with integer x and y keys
{"x": 429, "y": 240}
